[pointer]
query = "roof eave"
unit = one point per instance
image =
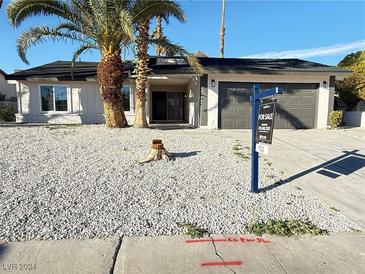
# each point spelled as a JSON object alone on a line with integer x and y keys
{"x": 279, "y": 72}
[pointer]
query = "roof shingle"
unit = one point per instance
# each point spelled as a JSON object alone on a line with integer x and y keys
{"x": 63, "y": 71}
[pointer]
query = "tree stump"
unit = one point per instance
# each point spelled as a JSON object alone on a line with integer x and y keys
{"x": 157, "y": 152}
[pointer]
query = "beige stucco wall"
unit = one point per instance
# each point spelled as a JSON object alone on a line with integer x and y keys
{"x": 323, "y": 103}
{"x": 83, "y": 99}
{"x": 85, "y": 105}
{"x": 193, "y": 100}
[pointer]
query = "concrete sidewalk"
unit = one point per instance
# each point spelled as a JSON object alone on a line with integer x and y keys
{"x": 59, "y": 257}
{"x": 337, "y": 253}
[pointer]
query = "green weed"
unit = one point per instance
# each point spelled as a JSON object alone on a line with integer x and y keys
{"x": 334, "y": 209}
{"x": 285, "y": 228}
{"x": 193, "y": 230}
{"x": 242, "y": 155}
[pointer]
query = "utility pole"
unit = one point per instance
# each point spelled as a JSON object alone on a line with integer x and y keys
{"x": 223, "y": 30}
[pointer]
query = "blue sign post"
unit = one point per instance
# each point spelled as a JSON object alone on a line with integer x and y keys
{"x": 255, "y": 99}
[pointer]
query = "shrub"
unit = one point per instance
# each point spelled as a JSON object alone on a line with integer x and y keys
{"x": 2, "y": 96}
{"x": 348, "y": 92}
{"x": 335, "y": 118}
{"x": 7, "y": 114}
{"x": 352, "y": 89}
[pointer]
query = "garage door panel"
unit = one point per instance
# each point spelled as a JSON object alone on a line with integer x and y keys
{"x": 228, "y": 112}
{"x": 308, "y": 100}
{"x": 246, "y": 112}
{"x": 283, "y": 99}
{"x": 280, "y": 110}
{"x": 306, "y": 122}
{"x": 293, "y": 123}
{"x": 307, "y": 112}
{"x": 242, "y": 99}
{"x": 294, "y": 100}
{"x": 240, "y": 124}
{"x": 279, "y": 122}
{"x": 241, "y": 111}
{"x": 293, "y": 112}
{"x": 296, "y": 108}
{"x": 228, "y": 124}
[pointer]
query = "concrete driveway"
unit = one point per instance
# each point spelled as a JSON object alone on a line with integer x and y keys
{"x": 330, "y": 163}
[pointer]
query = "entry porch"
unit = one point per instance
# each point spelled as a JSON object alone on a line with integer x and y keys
{"x": 173, "y": 99}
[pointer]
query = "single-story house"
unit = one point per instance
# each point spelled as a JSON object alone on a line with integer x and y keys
{"x": 55, "y": 93}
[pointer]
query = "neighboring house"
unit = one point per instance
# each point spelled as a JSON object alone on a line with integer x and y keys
{"x": 176, "y": 94}
{"x": 7, "y": 89}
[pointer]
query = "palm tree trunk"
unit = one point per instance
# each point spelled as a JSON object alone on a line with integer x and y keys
{"x": 110, "y": 76}
{"x": 158, "y": 34}
{"x": 223, "y": 30}
{"x": 142, "y": 73}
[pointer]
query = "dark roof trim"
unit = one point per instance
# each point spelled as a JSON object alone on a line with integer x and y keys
{"x": 244, "y": 65}
{"x": 61, "y": 70}
{"x": 3, "y": 72}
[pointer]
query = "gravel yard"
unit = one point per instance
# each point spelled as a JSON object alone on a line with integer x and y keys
{"x": 84, "y": 181}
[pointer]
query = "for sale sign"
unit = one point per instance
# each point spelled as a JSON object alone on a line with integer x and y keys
{"x": 265, "y": 123}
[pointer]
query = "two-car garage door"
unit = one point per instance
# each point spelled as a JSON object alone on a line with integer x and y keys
{"x": 296, "y": 107}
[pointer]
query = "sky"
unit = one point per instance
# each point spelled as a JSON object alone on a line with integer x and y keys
{"x": 320, "y": 31}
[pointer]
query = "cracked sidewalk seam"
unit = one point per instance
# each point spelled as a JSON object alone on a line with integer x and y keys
{"x": 220, "y": 256}
{"x": 276, "y": 258}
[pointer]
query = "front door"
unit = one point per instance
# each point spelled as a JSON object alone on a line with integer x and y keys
{"x": 168, "y": 106}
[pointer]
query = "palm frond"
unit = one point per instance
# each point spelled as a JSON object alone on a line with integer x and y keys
{"x": 39, "y": 34}
{"x": 77, "y": 53}
{"x": 31, "y": 37}
{"x": 68, "y": 26}
{"x": 19, "y": 10}
{"x": 126, "y": 26}
{"x": 143, "y": 9}
{"x": 81, "y": 50}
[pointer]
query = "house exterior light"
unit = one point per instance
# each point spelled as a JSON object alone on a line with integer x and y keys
{"x": 324, "y": 84}
{"x": 213, "y": 83}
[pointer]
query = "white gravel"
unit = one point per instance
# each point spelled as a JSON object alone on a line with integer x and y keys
{"x": 82, "y": 182}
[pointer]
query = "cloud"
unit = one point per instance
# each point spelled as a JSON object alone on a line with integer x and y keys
{"x": 312, "y": 52}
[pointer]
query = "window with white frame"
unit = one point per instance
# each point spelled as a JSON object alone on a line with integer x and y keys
{"x": 126, "y": 98}
{"x": 53, "y": 98}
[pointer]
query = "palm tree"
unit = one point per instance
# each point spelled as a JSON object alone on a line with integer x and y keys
{"x": 158, "y": 34}
{"x": 169, "y": 8}
{"x": 105, "y": 25}
{"x": 223, "y": 29}
{"x": 162, "y": 9}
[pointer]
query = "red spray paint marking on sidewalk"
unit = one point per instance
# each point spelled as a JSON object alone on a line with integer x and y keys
{"x": 222, "y": 263}
{"x": 205, "y": 241}
{"x": 230, "y": 240}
